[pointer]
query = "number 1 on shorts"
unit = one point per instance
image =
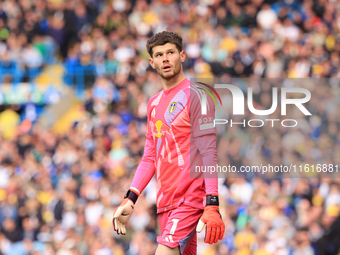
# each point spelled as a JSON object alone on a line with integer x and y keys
{"x": 174, "y": 226}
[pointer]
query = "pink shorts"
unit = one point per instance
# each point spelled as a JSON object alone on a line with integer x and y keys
{"x": 178, "y": 228}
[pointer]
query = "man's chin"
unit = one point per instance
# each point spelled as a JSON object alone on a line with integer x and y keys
{"x": 168, "y": 75}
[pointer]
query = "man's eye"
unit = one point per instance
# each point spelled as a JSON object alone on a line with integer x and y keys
{"x": 170, "y": 52}
{"x": 158, "y": 55}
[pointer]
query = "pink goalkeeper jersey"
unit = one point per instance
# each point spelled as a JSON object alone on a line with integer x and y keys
{"x": 168, "y": 146}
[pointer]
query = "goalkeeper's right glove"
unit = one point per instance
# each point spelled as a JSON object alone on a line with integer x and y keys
{"x": 123, "y": 212}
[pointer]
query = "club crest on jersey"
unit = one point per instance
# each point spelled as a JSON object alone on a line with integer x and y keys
{"x": 172, "y": 107}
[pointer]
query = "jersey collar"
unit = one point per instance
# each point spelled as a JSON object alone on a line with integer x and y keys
{"x": 167, "y": 92}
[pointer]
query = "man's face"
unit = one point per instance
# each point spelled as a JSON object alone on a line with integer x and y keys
{"x": 167, "y": 60}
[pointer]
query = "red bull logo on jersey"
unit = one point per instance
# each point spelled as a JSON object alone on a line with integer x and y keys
{"x": 172, "y": 107}
{"x": 160, "y": 128}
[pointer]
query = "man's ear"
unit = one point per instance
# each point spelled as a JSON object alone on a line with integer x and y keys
{"x": 182, "y": 55}
{"x": 151, "y": 63}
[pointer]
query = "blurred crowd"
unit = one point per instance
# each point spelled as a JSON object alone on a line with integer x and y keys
{"x": 58, "y": 192}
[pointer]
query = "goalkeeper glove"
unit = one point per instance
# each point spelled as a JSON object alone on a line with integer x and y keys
{"x": 123, "y": 212}
{"x": 212, "y": 219}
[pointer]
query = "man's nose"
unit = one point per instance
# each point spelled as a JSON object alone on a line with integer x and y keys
{"x": 165, "y": 58}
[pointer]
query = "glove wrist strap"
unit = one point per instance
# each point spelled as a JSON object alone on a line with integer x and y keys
{"x": 212, "y": 200}
{"x": 133, "y": 196}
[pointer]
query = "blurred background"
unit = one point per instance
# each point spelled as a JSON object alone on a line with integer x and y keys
{"x": 75, "y": 82}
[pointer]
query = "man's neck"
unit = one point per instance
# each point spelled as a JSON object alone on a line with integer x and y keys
{"x": 168, "y": 84}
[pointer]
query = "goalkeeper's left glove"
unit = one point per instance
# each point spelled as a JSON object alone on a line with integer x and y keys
{"x": 212, "y": 219}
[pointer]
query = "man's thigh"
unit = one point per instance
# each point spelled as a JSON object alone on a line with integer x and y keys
{"x": 165, "y": 250}
{"x": 178, "y": 228}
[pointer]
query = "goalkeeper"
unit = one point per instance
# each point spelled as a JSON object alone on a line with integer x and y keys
{"x": 176, "y": 129}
